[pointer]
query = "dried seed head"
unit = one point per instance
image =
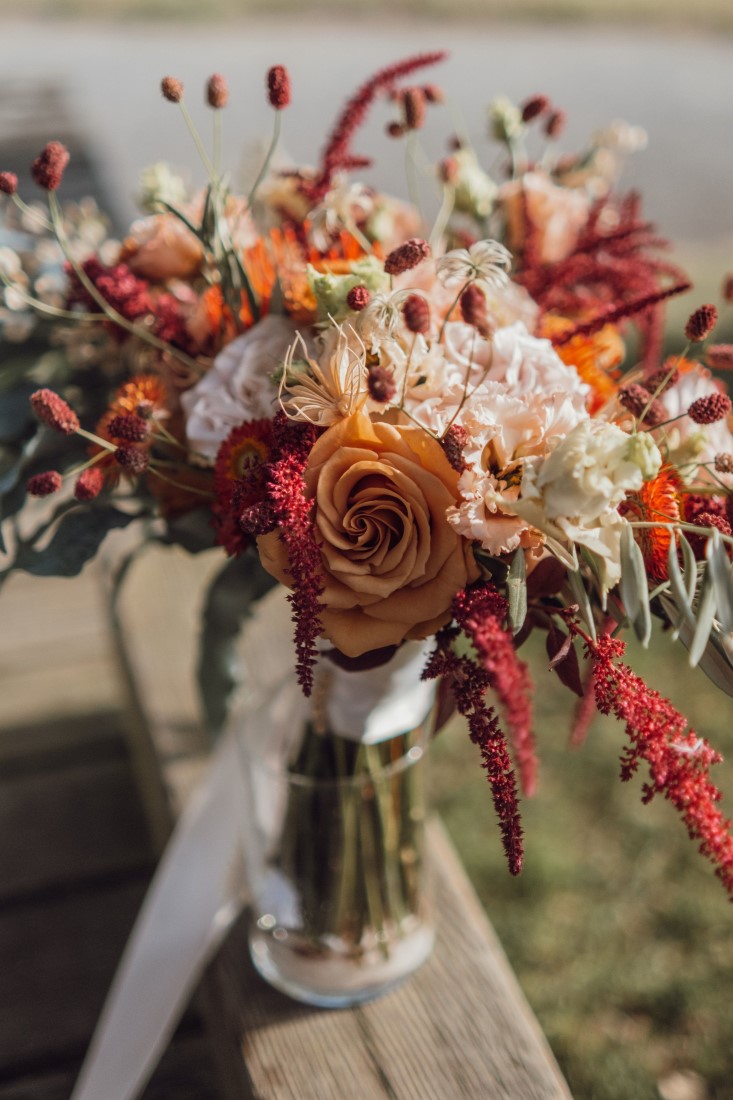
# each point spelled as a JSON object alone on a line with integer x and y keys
{"x": 473, "y": 308}
{"x": 257, "y": 519}
{"x": 413, "y": 107}
{"x": 555, "y": 124}
{"x": 381, "y": 384}
{"x": 54, "y": 411}
{"x": 358, "y": 297}
{"x": 709, "y": 409}
{"x": 433, "y": 93}
{"x": 448, "y": 169}
{"x": 727, "y": 290}
{"x": 635, "y": 398}
{"x": 217, "y": 92}
{"x": 453, "y": 442}
{"x": 8, "y": 183}
{"x": 42, "y": 485}
{"x": 394, "y": 129}
{"x": 701, "y": 323}
{"x": 724, "y": 463}
{"x": 172, "y": 89}
{"x": 654, "y": 380}
{"x": 416, "y": 312}
{"x": 407, "y": 256}
{"x": 130, "y": 427}
{"x": 278, "y": 87}
{"x": 89, "y": 484}
{"x": 712, "y": 519}
{"x": 48, "y": 168}
{"x": 132, "y": 459}
{"x": 533, "y": 107}
{"x": 719, "y": 356}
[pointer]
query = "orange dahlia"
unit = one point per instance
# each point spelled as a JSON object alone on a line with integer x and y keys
{"x": 596, "y": 357}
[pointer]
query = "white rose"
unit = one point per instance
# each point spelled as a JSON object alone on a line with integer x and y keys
{"x": 238, "y": 386}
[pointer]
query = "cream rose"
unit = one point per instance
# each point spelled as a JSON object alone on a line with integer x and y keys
{"x": 391, "y": 562}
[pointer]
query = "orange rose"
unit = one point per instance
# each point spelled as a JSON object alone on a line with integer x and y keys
{"x": 391, "y": 563}
{"x": 161, "y": 248}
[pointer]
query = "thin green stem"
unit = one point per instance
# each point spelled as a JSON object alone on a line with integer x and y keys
{"x": 178, "y": 485}
{"x": 38, "y": 215}
{"x": 453, "y": 305}
{"x": 443, "y": 216}
{"x": 197, "y": 141}
{"x": 680, "y": 526}
{"x": 44, "y": 307}
{"x": 268, "y": 157}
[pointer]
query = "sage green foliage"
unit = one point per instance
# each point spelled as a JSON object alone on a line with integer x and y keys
{"x": 617, "y": 928}
{"x": 331, "y": 290}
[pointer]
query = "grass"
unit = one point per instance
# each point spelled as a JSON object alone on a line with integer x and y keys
{"x": 617, "y": 929}
{"x": 706, "y": 14}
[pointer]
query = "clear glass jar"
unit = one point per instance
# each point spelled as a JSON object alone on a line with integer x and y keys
{"x": 334, "y": 838}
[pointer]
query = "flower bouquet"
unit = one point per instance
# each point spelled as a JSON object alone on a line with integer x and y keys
{"x": 440, "y": 424}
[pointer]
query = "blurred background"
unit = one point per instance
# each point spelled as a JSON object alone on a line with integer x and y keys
{"x": 617, "y": 930}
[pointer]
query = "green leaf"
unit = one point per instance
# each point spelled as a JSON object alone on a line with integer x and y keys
{"x": 516, "y": 590}
{"x": 704, "y": 619}
{"x": 680, "y": 588}
{"x": 229, "y": 601}
{"x": 581, "y": 598}
{"x": 720, "y": 571}
{"x": 75, "y": 541}
{"x": 634, "y": 586}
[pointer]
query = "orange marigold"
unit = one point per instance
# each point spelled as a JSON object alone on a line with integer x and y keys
{"x": 660, "y": 498}
{"x": 595, "y": 357}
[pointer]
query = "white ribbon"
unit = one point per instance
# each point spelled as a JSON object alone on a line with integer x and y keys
{"x": 192, "y": 901}
{"x": 197, "y": 892}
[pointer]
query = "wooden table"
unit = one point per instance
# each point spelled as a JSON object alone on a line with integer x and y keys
{"x": 460, "y": 1028}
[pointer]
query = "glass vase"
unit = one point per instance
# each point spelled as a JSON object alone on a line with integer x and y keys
{"x": 334, "y": 832}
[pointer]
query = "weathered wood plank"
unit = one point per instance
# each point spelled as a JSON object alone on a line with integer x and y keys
{"x": 460, "y": 1027}
{"x": 184, "y": 1074}
{"x": 93, "y": 807}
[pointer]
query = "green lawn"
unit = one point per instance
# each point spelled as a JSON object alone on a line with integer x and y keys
{"x": 618, "y": 930}
{"x": 711, "y": 14}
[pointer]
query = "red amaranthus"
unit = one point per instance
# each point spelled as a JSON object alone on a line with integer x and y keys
{"x": 677, "y": 758}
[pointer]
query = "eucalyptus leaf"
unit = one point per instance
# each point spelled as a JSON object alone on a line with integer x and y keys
{"x": 516, "y": 588}
{"x": 682, "y": 600}
{"x": 720, "y": 571}
{"x": 75, "y": 541}
{"x": 689, "y": 562}
{"x": 634, "y": 586}
{"x": 229, "y": 601}
{"x": 704, "y": 619}
{"x": 581, "y": 598}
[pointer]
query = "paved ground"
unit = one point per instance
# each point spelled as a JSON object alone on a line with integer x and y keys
{"x": 678, "y": 86}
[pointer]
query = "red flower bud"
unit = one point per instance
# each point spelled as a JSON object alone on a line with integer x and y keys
{"x": 406, "y": 256}
{"x": 48, "y": 168}
{"x": 706, "y": 410}
{"x": 533, "y": 107}
{"x": 217, "y": 92}
{"x": 54, "y": 411}
{"x": 357, "y": 298}
{"x": 8, "y": 183}
{"x": 278, "y": 87}
{"x": 701, "y": 323}
{"x": 42, "y": 485}
{"x": 89, "y": 484}
{"x": 172, "y": 89}
{"x": 416, "y": 312}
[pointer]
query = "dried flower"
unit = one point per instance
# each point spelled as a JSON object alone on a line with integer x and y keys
{"x": 433, "y": 93}
{"x": 8, "y": 183}
{"x": 172, "y": 89}
{"x": 664, "y": 377}
{"x": 217, "y": 92}
{"x": 406, "y": 256}
{"x": 133, "y": 460}
{"x": 394, "y": 129}
{"x": 555, "y": 124}
{"x": 89, "y": 484}
{"x": 635, "y": 398}
{"x": 453, "y": 442}
{"x": 358, "y": 297}
{"x": 719, "y": 356}
{"x": 130, "y": 427}
{"x": 381, "y": 384}
{"x": 42, "y": 485}
{"x": 727, "y": 289}
{"x": 474, "y": 309}
{"x": 278, "y": 87}
{"x": 416, "y": 311}
{"x": 486, "y": 261}
{"x": 413, "y": 106}
{"x": 701, "y": 323}
{"x": 708, "y": 409}
{"x": 54, "y": 411}
{"x": 724, "y": 462}
{"x": 533, "y": 107}
{"x": 48, "y": 168}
